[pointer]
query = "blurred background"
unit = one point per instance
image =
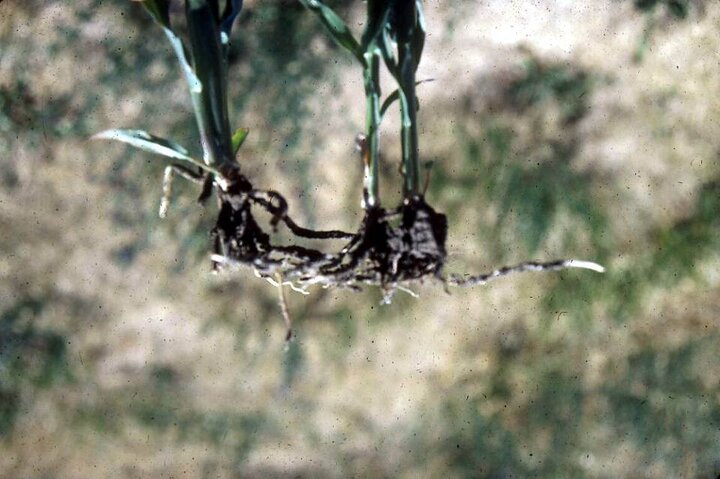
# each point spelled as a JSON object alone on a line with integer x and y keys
{"x": 557, "y": 129}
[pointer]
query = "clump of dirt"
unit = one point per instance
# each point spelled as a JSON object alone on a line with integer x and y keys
{"x": 236, "y": 233}
{"x": 390, "y": 248}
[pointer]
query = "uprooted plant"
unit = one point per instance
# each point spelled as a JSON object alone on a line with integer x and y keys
{"x": 392, "y": 247}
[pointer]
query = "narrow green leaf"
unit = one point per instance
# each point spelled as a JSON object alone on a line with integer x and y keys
{"x": 392, "y": 98}
{"x": 377, "y": 19}
{"x": 395, "y": 95}
{"x": 238, "y": 138}
{"x": 387, "y": 49}
{"x": 339, "y": 31}
{"x": 159, "y": 10}
{"x": 179, "y": 48}
{"x": 147, "y": 142}
{"x": 418, "y": 37}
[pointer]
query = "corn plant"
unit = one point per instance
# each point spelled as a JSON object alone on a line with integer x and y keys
{"x": 383, "y": 254}
{"x": 392, "y": 248}
{"x": 205, "y": 70}
{"x": 204, "y": 67}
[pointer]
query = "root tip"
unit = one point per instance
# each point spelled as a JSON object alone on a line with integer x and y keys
{"x": 575, "y": 263}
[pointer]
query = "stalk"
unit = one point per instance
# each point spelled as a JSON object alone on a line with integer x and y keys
{"x": 372, "y": 124}
{"x": 377, "y": 15}
{"x": 409, "y": 133}
{"x": 406, "y": 21}
{"x": 210, "y": 103}
{"x": 368, "y": 53}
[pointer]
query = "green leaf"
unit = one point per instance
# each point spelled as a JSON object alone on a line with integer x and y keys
{"x": 386, "y": 45}
{"x": 418, "y": 38}
{"x": 395, "y": 95}
{"x": 377, "y": 20}
{"x": 205, "y": 94}
{"x": 238, "y": 139}
{"x": 336, "y": 26}
{"x": 179, "y": 48}
{"x": 145, "y": 141}
{"x": 392, "y": 98}
{"x": 159, "y": 10}
{"x": 209, "y": 65}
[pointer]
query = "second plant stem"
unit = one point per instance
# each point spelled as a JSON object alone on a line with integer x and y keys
{"x": 406, "y": 24}
{"x": 372, "y": 124}
{"x": 408, "y": 113}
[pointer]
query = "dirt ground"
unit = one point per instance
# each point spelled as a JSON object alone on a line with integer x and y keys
{"x": 556, "y": 129}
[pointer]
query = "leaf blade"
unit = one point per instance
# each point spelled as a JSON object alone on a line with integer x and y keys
{"x": 395, "y": 95}
{"x": 147, "y": 142}
{"x": 238, "y": 138}
{"x": 387, "y": 50}
{"x": 159, "y": 10}
{"x": 210, "y": 67}
{"x": 418, "y": 36}
{"x": 338, "y": 29}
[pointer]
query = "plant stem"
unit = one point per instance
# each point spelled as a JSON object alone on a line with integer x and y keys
{"x": 408, "y": 112}
{"x": 210, "y": 104}
{"x": 372, "y": 124}
{"x": 406, "y": 18}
